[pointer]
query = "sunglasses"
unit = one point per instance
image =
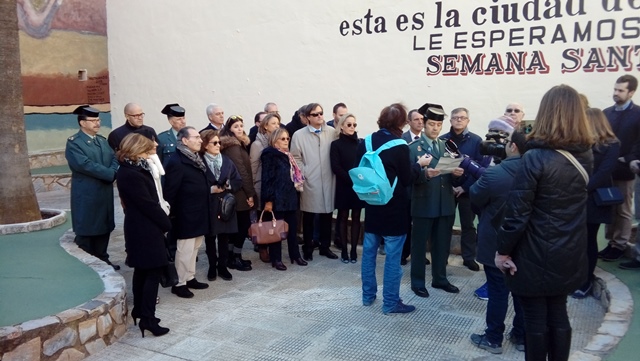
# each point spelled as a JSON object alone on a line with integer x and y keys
{"x": 351, "y": 125}
{"x": 234, "y": 117}
{"x": 315, "y": 114}
{"x": 284, "y": 139}
{"x": 509, "y": 110}
{"x": 215, "y": 142}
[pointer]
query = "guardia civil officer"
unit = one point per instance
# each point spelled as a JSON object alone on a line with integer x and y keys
{"x": 167, "y": 140}
{"x": 93, "y": 170}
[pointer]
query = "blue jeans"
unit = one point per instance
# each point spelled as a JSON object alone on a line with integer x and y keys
{"x": 392, "y": 270}
{"x": 497, "y": 307}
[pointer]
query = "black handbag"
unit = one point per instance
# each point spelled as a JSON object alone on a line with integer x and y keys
{"x": 226, "y": 207}
{"x": 608, "y": 196}
{"x": 169, "y": 277}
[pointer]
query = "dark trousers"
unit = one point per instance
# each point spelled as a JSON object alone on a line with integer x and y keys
{"x": 220, "y": 257}
{"x": 438, "y": 230}
{"x": 95, "y": 245}
{"x": 144, "y": 286}
{"x": 468, "y": 236}
{"x": 498, "y": 305}
{"x": 342, "y": 222}
{"x": 592, "y": 251}
{"x": 275, "y": 249}
{"x": 238, "y": 238}
{"x": 324, "y": 225}
{"x": 542, "y": 313}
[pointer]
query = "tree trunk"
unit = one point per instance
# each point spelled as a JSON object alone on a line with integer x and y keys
{"x": 18, "y": 201}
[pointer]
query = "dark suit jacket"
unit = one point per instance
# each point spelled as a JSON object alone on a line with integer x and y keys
{"x": 626, "y": 126}
{"x": 187, "y": 190}
{"x": 407, "y": 136}
{"x": 117, "y": 135}
{"x": 431, "y": 198}
{"x": 144, "y": 220}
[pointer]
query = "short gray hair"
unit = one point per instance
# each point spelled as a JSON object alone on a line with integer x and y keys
{"x": 460, "y": 109}
{"x": 266, "y": 106}
{"x": 211, "y": 107}
{"x": 184, "y": 133}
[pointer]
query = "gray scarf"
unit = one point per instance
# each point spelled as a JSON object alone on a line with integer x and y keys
{"x": 192, "y": 156}
{"x": 215, "y": 163}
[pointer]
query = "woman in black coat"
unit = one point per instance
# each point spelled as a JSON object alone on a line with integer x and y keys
{"x": 605, "y": 158}
{"x": 281, "y": 182}
{"x": 343, "y": 157}
{"x": 144, "y": 226}
{"x": 223, "y": 176}
{"x": 543, "y": 240}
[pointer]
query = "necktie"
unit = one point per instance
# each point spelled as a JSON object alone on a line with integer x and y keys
{"x": 416, "y": 137}
{"x": 317, "y": 131}
{"x": 434, "y": 148}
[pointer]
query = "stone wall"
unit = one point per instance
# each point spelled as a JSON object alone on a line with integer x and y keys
{"x": 47, "y": 159}
{"x": 51, "y": 182}
{"x": 75, "y": 333}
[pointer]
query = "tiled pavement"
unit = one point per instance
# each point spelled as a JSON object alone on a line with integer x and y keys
{"x": 315, "y": 313}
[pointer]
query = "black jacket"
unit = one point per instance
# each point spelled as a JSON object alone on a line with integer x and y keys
{"x": 605, "y": 158}
{"x": 626, "y": 126}
{"x": 230, "y": 179}
{"x": 544, "y": 230}
{"x": 277, "y": 186}
{"x": 391, "y": 219}
{"x": 187, "y": 190}
{"x": 144, "y": 221}
{"x": 117, "y": 135}
{"x": 343, "y": 158}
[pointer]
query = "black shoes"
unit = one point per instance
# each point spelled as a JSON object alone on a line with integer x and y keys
{"x": 472, "y": 265}
{"x": 327, "y": 253}
{"x": 604, "y": 251}
{"x": 115, "y": 266}
{"x": 212, "y": 274}
{"x": 237, "y": 264}
{"x": 299, "y": 261}
{"x": 193, "y": 283}
{"x": 613, "y": 254}
{"x": 180, "y": 291}
{"x": 447, "y": 288}
{"x": 224, "y": 273}
{"x": 152, "y": 326}
{"x": 420, "y": 292}
{"x": 308, "y": 256}
{"x": 279, "y": 266}
{"x": 633, "y": 264}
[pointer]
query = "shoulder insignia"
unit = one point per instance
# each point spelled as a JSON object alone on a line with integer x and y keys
{"x": 70, "y": 138}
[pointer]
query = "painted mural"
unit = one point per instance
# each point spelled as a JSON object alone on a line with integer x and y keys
{"x": 63, "y": 50}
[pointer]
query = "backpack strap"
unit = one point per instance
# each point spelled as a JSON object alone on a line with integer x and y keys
{"x": 390, "y": 144}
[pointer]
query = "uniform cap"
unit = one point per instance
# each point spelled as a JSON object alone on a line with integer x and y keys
{"x": 173, "y": 110}
{"x": 87, "y": 111}
{"x": 432, "y": 112}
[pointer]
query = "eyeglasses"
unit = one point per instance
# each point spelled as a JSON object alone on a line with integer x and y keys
{"x": 141, "y": 115}
{"x": 509, "y": 110}
{"x": 315, "y": 114}
{"x": 215, "y": 142}
{"x": 284, "y": 139}
{"x": 234, "y": 117}
{"x": 459, "y": 118}
{"x": 351, "y": 125}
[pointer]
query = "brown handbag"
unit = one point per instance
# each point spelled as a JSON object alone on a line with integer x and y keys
{"x": 268, "y": 232}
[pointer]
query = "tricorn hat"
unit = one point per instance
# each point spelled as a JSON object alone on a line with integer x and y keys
{"x": 432, "y": 112}
{"x": 173, "y": 110}
{"x": 87, "y": 111}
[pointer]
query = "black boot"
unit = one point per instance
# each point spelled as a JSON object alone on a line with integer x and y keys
{"x": 212, "y": 274}
{"x": 134, "y": 316}
{"x": 245, "y": 262}
{"x": 224, "y": 273}
{"x": 231, "y": 261}
{"x": 535, "y": 346}
{"x": 153, "y": 326}
{"x": 238, "y": 265}
{"x": 559, "y": 344}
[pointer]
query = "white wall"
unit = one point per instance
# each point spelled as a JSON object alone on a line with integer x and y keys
{"x": 242, "y": 54}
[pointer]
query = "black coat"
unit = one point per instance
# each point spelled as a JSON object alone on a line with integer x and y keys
{"x": 277, "y": 186}
{"x": 544, "y": 229}
{"x": 626, "y": 126}
{"x": 343, "y": 157}
{"x": 117, "y": 135}
{"x": 187, "y": 190}
{"x": 605, "y": 158}
{"x": 228, "y": 173}
{"x": 144, "y": 220}
{"x": 391, "y": 219}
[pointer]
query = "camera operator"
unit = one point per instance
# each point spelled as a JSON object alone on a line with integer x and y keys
{"x": 468, "y": 144}
{"x": 489, "y": 194}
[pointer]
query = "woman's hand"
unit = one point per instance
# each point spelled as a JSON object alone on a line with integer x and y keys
{"x": 250, "y": 202}
{"x": 505, "y": 263}
{"x": 268, "y": 207}
{"x": 216, "y": 190}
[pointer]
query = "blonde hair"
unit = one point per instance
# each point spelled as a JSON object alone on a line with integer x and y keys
{"x": 265, "y": 121}
{"x": 275, "y": 135}
{"x": 561, "y": 119}
{"x": 601, "y": 126}
{"x": 133, "y": 145}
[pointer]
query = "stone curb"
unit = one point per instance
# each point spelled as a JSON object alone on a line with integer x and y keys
{"x": 75, "y": 333}
{"x": 59, "y": 218}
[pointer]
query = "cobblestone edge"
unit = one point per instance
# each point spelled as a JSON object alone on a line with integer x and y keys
{"x": 75, "y": 333}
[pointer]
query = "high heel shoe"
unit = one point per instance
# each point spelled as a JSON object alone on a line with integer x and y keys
{"x": 279, "y": 266}
{"x": 299, "y": 261}
{"x": 152, "y": 327}
{"x": 134, "y": 316}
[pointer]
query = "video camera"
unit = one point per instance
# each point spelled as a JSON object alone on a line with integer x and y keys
{"x": 495, "y": 144}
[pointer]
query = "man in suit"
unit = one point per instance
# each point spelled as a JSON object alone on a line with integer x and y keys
{"x": 215, "y": 114}
{"x": 339, "y": 110}
{"x": 167, "y": 140}
{"x": 416, "y": 124}
{"x": 93, "y": 170}
{"x": 134, "y": 123}
{"x": 624, "y": 118}
{"x": 432, "y": 206}
{"x": 187, "y": 190}
{"x": 253, "y": 132}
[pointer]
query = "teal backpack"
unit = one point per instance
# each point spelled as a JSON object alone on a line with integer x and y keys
{"x": 369, "y": 178}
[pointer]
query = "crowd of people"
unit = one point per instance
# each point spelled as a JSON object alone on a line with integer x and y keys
{"x": 535, "y": 198}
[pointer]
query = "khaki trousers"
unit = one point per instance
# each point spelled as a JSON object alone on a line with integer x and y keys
{"x": 619, "y": 231}
{"x": 186, "y": 259}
